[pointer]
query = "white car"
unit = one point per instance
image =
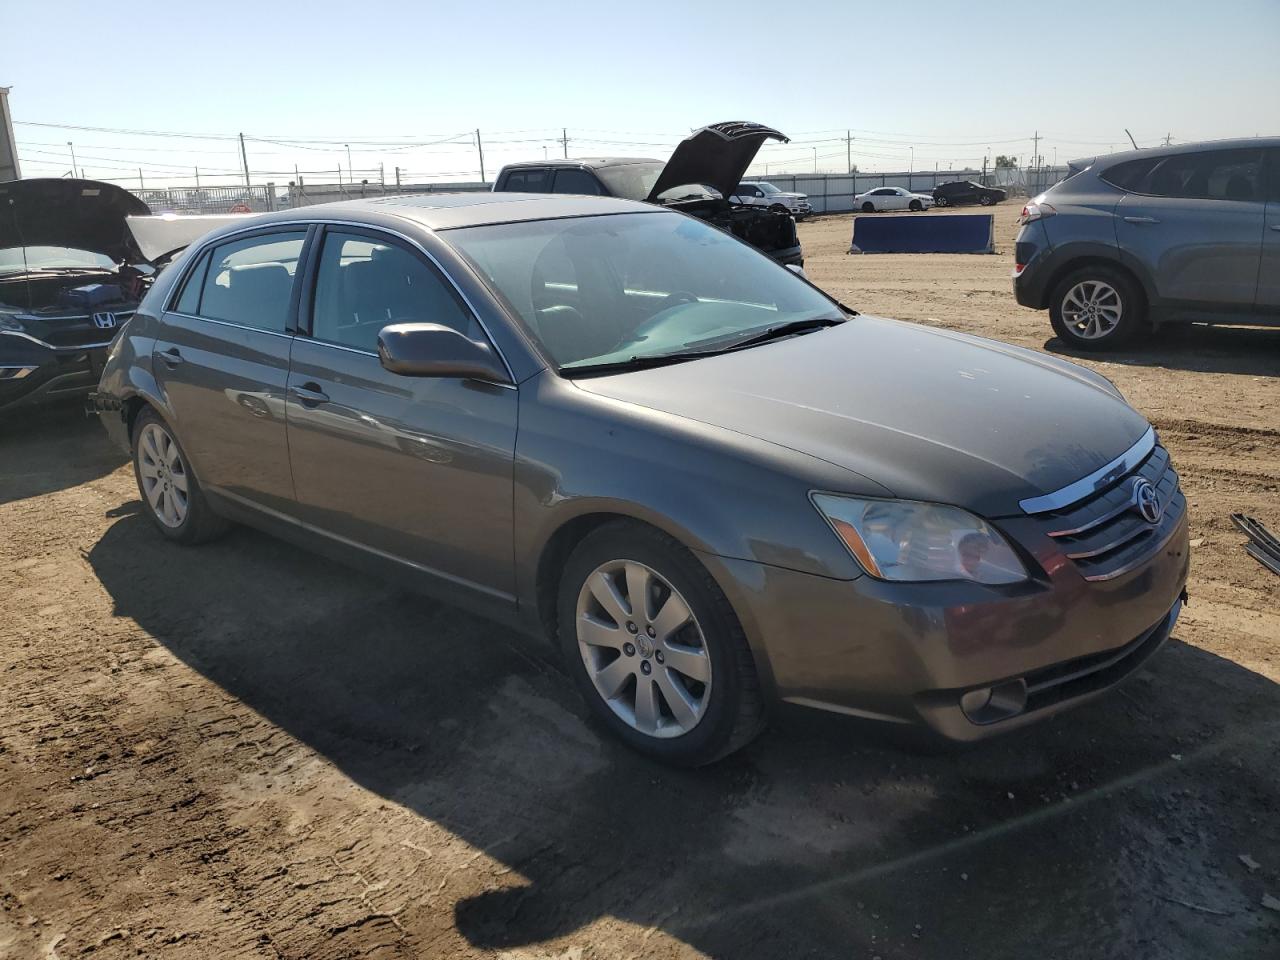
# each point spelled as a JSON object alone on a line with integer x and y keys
{"x": 758, "y": 193}
{"x": 891, "y": 198}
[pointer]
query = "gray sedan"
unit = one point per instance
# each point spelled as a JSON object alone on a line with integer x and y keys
{"x": 714, "y": 486}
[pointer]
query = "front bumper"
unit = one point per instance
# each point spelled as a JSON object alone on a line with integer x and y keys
{"x": 923, "y": 653}
{"x": 39, "y": 375}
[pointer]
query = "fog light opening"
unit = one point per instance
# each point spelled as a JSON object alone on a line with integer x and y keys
{"x": 992, "y": 704}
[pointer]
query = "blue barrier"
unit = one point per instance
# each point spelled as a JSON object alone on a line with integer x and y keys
{"x": 924, "y": 233}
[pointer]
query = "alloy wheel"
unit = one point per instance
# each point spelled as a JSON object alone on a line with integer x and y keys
{"x": 1092, "y": 309}
{"x": 163, "y": 474}
{"x": 643, "y": 648}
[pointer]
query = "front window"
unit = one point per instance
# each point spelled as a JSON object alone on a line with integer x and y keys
{"x": 630, "y": 288}
{"x": 769, "y": 189}
{"x": 21, "y": 259}
{"x": 631, "y": 181}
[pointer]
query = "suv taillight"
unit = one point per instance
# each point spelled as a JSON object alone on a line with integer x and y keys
{"x": 1036, "y": 211}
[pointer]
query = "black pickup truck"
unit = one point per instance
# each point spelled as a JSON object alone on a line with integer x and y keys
{"x": 701, "y": 176}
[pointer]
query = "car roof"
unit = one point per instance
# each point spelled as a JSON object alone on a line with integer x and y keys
{"x": 447, "y": 211}
{"x": 1239, "y": 143}
{"x": 593, "y": 162}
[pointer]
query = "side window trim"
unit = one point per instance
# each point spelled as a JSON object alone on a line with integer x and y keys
{"x": 204, "y": 258}
{"x": 306, "y": 315}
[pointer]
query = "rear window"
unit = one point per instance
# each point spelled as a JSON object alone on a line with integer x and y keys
{"x": 1131, "y": 174}
{"x": 571, "y": 180}
{"x": 528, "y": 181}
{"x": 1205, "y": 175}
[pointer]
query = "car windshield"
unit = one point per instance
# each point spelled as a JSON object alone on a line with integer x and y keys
{"x": 631, "y": 181}
{"x": 769, "y": 188}
{"x": 13, "y": 260}
{"x": 636, "y": 288}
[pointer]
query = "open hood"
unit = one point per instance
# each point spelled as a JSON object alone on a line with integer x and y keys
{"x": 81, "y": 214}
{"x": 717, "y": 156}
{"x": 160, "y": 237}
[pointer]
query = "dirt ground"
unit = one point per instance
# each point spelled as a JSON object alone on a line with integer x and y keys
{"x": 242, "y": 750}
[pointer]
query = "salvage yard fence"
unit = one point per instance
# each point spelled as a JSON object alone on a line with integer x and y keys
{"x": 827, "y": 192}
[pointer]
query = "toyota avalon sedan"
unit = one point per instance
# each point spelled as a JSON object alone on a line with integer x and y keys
{"x": 715, "y": 487}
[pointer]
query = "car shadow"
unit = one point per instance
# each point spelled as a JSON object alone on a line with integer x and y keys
{"x": 1081, "y": 835}
{"x": 1252, "y": 351}
{"x": 51, "y": 448}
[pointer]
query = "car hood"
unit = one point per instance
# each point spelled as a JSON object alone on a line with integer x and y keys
{"x": 717, "y": 156}
{"x": 925, "y": 413}
{"x": 81, "y": 214}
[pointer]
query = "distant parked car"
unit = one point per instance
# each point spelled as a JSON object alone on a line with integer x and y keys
{"x": 891, "y": 198}
{"x": 758, "y": 193}
{"x": 697, "y": 179}
{"x": 964, "y": 192}
{"x": 1179, "y": 234}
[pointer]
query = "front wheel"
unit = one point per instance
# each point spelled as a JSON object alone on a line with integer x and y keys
{"x": 779, "y": 208}
{"x": 986, "y": 200}
{"x": 915, "y": 206}
{"x": 655, "y": 647}
{"x": 868, "y": 207}
{"x": 1097, "y": 308}
{"x": 171, "y": 495}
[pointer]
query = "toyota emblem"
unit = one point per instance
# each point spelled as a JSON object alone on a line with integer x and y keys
{"x": 1146, "y": 501}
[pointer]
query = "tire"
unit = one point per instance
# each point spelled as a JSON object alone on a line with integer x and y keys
{"x": 1119, "y": 308}
{"x": 987, "y": 200}
{"x": 868, "y": 207}
{"x": 160, "y": 466}
{"x": 720, "y": 714}
{"x": 779, "y": 208}
{"x": 915, "y": 206}
{"x": 940, "y": 201}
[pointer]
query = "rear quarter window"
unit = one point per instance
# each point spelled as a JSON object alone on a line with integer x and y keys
{"x": 1130, "y": 175}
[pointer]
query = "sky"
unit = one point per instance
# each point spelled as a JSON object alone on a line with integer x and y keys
{"x": 408, "y": 84}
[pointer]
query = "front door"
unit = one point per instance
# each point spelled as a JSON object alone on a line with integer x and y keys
{"x": 1268, "y": 299}
{"x": 1196, "y": 224}
{"x": 419, "y": 469}
{"x": 222, "y": 359}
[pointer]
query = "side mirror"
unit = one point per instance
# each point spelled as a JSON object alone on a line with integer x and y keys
{"x": 432, "y": 350}
{"x": 797, "y": 270}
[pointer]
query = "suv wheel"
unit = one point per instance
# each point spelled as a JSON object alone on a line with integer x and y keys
{"x": 779, "y": 208}
{"x": 655, "y": 647}
{"x": 1096, "y": 308}
{"x": 171, "y": 495}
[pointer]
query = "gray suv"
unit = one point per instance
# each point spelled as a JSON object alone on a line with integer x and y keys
{"x": 1180, "y": 234}
{"x": 611, "y": 423}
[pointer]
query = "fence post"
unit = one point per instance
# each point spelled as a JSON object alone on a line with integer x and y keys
{"x": 271, "y": 195}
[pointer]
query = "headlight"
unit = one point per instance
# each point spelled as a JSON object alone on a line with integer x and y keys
{"x": 907, "y": 541}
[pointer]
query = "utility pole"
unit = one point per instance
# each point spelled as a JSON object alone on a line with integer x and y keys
{"x": 244, "y": 157}
{"x": 848, "y": 150}
{"x": 564, "y": 140}
{"x": 141, "y": 185}
{"x": 73, "y": 158}
{"x": 197, "y": 178}
{"x": 351, "y": 175}
{"x": 397, "y": 178}
{"x": 1168, "y": 139}
{"x": 1035, "y": 150}
{"x": 815, "y": 159}
{"x": 480, "y": 148}
{"x": 382, "y": 173}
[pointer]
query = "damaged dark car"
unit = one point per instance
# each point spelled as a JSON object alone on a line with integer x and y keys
{"x": 70, "y": 275}
{"x": 703, "y": 173}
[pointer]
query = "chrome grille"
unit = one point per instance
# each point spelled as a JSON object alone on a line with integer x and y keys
{"x": 1104, "y": 535}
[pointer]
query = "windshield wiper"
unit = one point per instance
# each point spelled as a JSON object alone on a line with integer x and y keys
{"x": 636, "y": 363}
{"x": 788, "y": 329}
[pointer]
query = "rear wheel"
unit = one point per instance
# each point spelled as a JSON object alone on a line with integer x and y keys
{"x": 655, "y": 647}
{"x": 1097, "y": 308}
{"x": 868, "y": 207}
{"x": 939, "y": 201}
{"x": 171, "y": 495}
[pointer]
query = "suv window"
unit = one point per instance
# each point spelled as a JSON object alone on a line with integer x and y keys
{"x": 1129, "y": 175}
{"x": 1210, "y": 175}
{"x": 529, "y": 180}
{"x": 577, "y": 181}
{"x": 363, "y": 284}
{"x": 248, "y": 282}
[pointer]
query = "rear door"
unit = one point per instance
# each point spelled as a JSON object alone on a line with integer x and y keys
{"x": 415, "y": 468}
{"x": 222, "y": 361}
{"x": 1268, "y": 298}
{"x": 1196, "y": 223}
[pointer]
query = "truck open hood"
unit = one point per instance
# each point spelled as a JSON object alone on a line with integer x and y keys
{"x": 81, "y": 214}
{"x": 717, "y": 156}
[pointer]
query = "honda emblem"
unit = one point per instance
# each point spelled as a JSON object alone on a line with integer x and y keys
{"x": 104, "y": 321}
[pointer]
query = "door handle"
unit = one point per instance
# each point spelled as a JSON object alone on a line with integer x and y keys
{"x": 1275, "y": 226}
{"x": 172, "y": 357}
{"x": 1141, "y": 220}
{"x": 310, "y": 395}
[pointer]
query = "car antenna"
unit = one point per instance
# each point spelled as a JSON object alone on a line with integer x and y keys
{"x": 1131, "y": 140}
